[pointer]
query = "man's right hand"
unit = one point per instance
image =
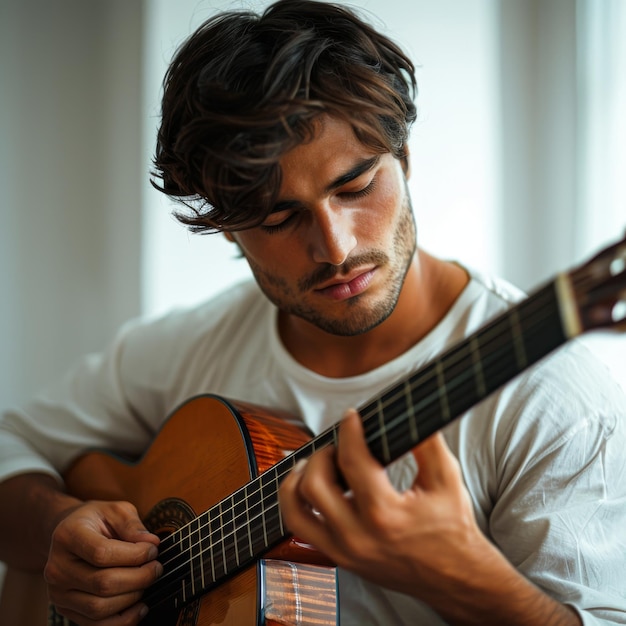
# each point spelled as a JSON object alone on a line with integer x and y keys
{"x": 101, "y": 559}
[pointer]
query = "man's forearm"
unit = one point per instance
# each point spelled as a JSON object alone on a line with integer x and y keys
{"x": 33, "y": 504}
{"x": 496, "y": 593}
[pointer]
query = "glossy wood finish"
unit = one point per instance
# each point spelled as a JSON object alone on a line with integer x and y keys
{"x": 201, "y": 456}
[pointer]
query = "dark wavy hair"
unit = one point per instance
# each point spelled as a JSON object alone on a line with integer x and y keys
{"x": 245, "y": 89}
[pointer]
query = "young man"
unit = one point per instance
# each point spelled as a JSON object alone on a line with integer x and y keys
{"x": 288, "y": 133}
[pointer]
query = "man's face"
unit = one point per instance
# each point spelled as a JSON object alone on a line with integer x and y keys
{"x": 336, "y": 248}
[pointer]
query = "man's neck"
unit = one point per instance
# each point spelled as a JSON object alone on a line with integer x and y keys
{"x": 431, "y": 287}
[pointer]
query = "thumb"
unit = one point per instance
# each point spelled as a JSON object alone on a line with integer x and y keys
{"x": 125, "y": 523}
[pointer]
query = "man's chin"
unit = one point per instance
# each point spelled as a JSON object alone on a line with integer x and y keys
{"x": 351, "y": 322}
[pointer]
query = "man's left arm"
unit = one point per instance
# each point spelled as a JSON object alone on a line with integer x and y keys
{"x": 423, "y": 542}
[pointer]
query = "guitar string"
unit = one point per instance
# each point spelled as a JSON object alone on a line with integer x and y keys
{"x": 235, "y": 520}
{"x": 502, "y": 330}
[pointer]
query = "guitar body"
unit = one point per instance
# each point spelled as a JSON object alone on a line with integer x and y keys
{"x": 206, "y": 450}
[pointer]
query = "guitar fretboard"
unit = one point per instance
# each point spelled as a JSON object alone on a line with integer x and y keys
{"x": 238, "y": 530}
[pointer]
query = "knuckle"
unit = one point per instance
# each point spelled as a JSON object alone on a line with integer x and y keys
{"x": 350, "y": 544}
{"x": 51, "y": 573}
{"x": 310, "y": 486}
{"x": 122, "y": 509}
{"x": 379, "y": 519}
{"x": 95, "y": 608}
{"x": 100, "y": 555}
{"x": 126, "y": 508}
{"x": 102, "y": 584}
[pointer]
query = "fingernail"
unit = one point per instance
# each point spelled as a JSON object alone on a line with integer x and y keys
{"x": 143, "y": 611}
{"x": 153, "y": 552}
{"x": 299, "y": 466}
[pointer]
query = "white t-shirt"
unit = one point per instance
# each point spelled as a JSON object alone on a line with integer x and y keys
{"x": 543, "y": 458}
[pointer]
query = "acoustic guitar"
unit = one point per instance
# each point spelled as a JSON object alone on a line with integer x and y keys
{"x": 208, "y": 485}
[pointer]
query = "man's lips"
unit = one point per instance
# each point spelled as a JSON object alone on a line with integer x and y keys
{"x": 348, "y": 286}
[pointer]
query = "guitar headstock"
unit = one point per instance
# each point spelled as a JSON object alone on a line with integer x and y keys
{"x": 599, "y": 289}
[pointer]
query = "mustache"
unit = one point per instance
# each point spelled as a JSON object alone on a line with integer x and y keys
{"x": 328, "y": 271}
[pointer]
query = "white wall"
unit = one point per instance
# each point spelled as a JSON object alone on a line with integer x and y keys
{"x": 69, "y": 171}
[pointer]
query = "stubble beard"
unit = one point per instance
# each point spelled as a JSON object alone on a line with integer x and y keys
{"x": 358, "y": 319}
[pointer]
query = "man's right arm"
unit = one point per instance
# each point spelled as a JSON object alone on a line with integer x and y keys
{"x": 34, "y": 503}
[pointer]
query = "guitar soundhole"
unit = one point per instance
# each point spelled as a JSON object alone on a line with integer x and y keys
{"x": 164, "y": 518}
{"x": 168, "y": 515}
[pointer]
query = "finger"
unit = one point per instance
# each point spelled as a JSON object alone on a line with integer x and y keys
{"x": 294, "y": 508}
{"x": 312, "y": 485}
{"x": 101, "y": 551}
{"x": 300, "y": 516}
{"x": 364, "y": 475}
{"x": 123, "y": 522}
{"x": 130, "y": 616}
{"x": 437, "y": 466}
{"x": 115, "y": 581}
{"x": 107, "y": 534}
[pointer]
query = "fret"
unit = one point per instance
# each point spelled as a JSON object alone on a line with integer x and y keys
{"x": 461, "y": 379}
{"x": 239, "y": 532}
{"x": 443, "y": 391}
{"x": 258, "y": 534}
{"x": 206, "y": 546}
{"x": 269, "y": 497}
{"x": 229, "y": 546}
{"x": 321, "y": 441}
{"x": 185, "y": 543}
{"x": 383, "y": 431}
{"x": 248, "y": 531}
{"x": 281, "y": 526}
{"x": 218, "y": 563}
{"x": 479, "y": 376}
{"x": 518, "y": 339}
{"x": 276, "y": 529}
{"x": 497, "y": 365}
{"x": 197, "y": 566}
{"x": 256, "y": 519}
{"x": 408, "y": 399}
{"x": 544, "y": 332}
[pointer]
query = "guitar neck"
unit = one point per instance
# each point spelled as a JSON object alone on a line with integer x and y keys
{"x": 445, "y": 389}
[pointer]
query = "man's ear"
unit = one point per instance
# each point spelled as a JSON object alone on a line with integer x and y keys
{"x": 231, "y": 238}
{"x": 405, "y": 162}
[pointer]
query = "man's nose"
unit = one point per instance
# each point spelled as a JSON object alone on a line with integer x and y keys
{"x": 332, "y": 235}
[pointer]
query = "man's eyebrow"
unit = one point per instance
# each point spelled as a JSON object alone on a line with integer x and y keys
{"x": 360, "y": 168}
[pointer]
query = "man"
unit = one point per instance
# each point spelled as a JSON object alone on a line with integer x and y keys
{"x": 288, "y": 132}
